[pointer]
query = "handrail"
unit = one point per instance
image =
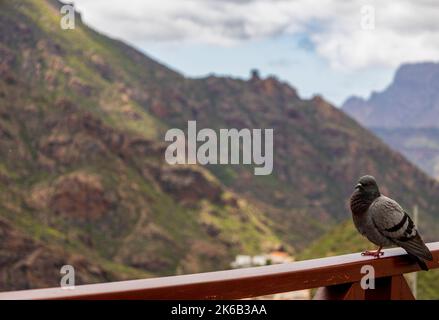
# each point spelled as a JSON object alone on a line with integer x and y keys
{"x": 248, "y": 282}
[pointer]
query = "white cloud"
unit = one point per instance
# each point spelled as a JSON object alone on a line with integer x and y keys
{"x": 405, "y": 31}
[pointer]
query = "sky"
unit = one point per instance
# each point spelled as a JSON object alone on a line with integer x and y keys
{"x": 334, "y": 48}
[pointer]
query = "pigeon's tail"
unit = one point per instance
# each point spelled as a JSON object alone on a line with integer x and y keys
{"x": 420, "y": 262}
{"x": 416, "y": 247}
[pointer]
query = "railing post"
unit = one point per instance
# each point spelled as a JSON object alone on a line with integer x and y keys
{"x": 400, "y": 289}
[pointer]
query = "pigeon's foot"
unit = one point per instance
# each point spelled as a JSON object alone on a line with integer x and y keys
{"x": 376, "y": 253}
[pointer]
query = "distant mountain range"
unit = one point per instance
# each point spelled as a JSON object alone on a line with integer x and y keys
{"x": 406, "y": 114}
{"x": 410, "y": 101}
{"x": 83, "y": 179}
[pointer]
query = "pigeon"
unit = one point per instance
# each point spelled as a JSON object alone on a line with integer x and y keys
{"x": 384, "y": 222}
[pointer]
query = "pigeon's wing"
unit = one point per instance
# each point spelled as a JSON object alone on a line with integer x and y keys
{"x": 396, "y": 225}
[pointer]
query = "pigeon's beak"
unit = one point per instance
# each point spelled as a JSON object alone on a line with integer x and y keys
{"x": 358, "y": 186}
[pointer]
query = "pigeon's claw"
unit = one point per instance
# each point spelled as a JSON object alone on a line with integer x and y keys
{"x": 375, "y": 253}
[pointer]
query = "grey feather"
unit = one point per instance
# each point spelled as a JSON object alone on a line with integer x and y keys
{"x": 396, "y": 225}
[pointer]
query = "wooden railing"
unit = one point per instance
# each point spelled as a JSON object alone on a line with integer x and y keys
{"x": 336, "y": 277}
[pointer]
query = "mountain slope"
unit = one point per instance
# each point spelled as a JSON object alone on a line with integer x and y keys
{"x": 82, "y": 121}
{"x": 82, "y": 167}
{"x": 319, "y": 153}
{"x": 419, "y": 145}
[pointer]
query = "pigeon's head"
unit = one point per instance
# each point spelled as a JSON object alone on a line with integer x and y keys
{"x": 367, "y": 185}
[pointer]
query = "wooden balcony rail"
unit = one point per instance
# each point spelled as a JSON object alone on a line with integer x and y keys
{"x": 336, "y": 277}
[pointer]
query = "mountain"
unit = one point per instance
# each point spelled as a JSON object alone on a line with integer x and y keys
{"x": 83, "y": 179}
{"x": 410, "y": 101}
{"x": 405, "y": 114}
{"x": 82, "y": 176}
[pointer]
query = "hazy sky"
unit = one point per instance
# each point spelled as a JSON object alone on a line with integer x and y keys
{"x": 326, "y": 47}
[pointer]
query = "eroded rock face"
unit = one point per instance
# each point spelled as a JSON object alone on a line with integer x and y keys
{"x": 189, "y": 186}
{"x": 6, "y": 64}
{"x": 102, "y": 67}
{"x": 79, "y": 196}
{"x": 32, "y": 264}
